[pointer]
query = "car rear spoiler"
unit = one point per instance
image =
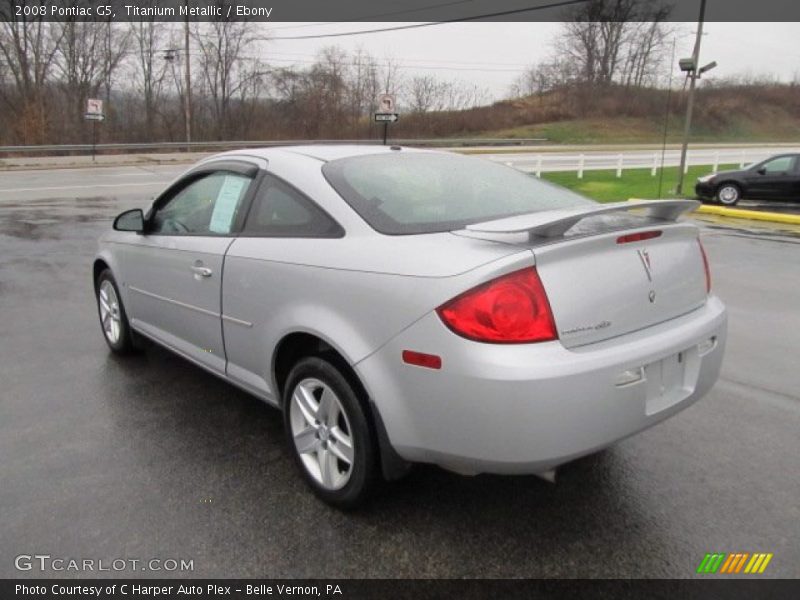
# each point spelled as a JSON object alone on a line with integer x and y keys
{"x": 554, "y": 223}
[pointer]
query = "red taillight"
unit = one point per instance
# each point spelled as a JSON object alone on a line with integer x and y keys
{"x": 705, "y": 266}
{"x": 512, "y": 309}
{"x": 638, "y": 237}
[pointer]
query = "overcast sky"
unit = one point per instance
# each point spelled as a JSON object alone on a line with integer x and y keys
{"x": 493, "y": 54}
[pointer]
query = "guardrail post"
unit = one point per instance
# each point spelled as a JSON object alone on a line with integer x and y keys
{"x": 686, "y": 166}
{"x": 619, "y": 166}
{"x": 539, "y": 166}
{"x": 580, "y": 167}
{"x": 655, "y": 165}
{"x": 741, "y": 161}
{"x": 716, "y": 162}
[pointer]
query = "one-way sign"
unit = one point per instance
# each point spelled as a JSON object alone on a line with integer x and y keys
{"x": 386, "y": 117}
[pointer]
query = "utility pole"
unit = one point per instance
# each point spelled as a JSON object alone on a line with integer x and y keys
{"x": 693, "y": 75}
{"x": 187, "y": 96}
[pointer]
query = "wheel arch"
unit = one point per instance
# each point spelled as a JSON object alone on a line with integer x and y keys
{"x": 299, "y": 344}
{"x": 739, "y": 184}
{"x": 98, "y": 267}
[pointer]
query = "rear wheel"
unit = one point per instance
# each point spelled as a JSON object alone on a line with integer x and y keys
{"x": 329, "y": 433}
{"x": 728, "y": 194}
{"x": 113, "y": 320}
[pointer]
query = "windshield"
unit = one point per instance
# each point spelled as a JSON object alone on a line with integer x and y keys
{"x": 418, "y": 192}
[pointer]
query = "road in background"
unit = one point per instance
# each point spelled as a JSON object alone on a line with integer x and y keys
{"x": 527, "y": 158}
{"x": 138, "y": 185}
{"x": 89, "y": 182}
{"x": 150, "y": 456}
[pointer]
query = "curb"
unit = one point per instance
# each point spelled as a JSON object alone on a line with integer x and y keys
{"x": 739, "y": 213}
{"x": 755, "y": 215}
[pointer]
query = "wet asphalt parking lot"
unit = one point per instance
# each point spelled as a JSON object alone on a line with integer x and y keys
{"x": 151, "y": 457}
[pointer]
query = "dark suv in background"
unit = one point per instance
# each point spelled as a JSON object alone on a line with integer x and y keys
{"x": 777, "y": 178}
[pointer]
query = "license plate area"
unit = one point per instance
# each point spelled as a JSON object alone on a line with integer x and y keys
{"x": 665, "y": 382}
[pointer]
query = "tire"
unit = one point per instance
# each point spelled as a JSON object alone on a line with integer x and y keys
{"x": 728, "y": 194}
{"x": 327, "y": 425}
{"x": 113, "y": 320}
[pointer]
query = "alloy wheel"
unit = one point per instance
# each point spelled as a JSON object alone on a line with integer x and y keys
{"x": 728, "y": 194}
{"x": 109, "y": 311}
{"x": 321, "y": 433}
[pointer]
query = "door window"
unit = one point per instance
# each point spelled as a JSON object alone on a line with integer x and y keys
{"x": 782, "y": 164}
{"x": 207, "y": 206}
{"x": 281, "y": 211}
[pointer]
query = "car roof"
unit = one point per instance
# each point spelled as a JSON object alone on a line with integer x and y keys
{"x": 322, "y": 152}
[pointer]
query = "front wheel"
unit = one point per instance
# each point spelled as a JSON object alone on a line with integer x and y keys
{"x": 113, "y": 320}
{"x": 728, "y": 194}
{"x": 330, "y": 433}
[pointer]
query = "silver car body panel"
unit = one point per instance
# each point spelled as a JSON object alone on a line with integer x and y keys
{"x": 500, "y": 408}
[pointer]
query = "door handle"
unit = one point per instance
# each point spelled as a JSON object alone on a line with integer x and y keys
{"x": 202, "y": 272}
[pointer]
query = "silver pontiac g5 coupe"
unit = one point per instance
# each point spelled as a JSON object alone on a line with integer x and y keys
{"x": 402, "y": 306}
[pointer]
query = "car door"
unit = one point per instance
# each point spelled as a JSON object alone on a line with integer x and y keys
{"x": 263, "y": 278}
{"x": 772, "y": 178}
{"x": 794, "y": 183}
{"x": 174, "y": 270}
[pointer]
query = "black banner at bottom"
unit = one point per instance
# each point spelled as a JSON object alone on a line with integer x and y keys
{"x": 346, "y": 589}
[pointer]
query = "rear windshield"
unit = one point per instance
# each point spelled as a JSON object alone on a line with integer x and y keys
{"x": 418, "y": 192}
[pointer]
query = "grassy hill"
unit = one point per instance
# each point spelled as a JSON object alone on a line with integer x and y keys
{"x": 752, "y": 113}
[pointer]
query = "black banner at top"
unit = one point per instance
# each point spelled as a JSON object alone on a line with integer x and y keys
{"x": 382, "y": 11}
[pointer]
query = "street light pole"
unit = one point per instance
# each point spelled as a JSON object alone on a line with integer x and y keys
{"x": 187, "y": 96}
{"x": 693, "y": 75}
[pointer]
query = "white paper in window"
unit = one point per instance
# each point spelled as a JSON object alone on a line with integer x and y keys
{"x": 227, "y": 200}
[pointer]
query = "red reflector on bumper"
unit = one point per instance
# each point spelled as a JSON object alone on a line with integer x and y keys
{"x": 638, "y": 237}
{"x": 420, "y": 359}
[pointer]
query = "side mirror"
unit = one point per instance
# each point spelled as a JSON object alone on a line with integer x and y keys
{"x": 130, "y": 220}
{"x": 762, "y": 171}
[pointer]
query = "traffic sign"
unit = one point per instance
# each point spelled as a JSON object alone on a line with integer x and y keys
{"x": 94, "y": 117}
{"x": 386, "y": 117}
{"x": 94, "y": 106}
{"x": 386, "y": 103}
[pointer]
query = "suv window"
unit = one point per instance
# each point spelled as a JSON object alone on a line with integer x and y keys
{"x": 782, "y": 164}
{"x": 279, "y": 210}
{"x": 208, "y": 205}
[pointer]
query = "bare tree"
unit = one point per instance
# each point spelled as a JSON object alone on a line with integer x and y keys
{"x": 27, "y": 47}
{"x": 150, "y": 40}
{"x": 78, "y": 64}
{"x": 425, "y": 92}
{"x": 225, "y": 72}
{"x": 614, "y": 40}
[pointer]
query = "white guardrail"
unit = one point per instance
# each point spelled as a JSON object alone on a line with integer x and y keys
{"x": 635, "y": 159}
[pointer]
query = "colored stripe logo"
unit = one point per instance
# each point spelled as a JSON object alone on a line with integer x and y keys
{"x": 735, "y": 562}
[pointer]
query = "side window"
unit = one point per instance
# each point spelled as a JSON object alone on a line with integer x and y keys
{"x": 208, "y": 205}
{"x": 278, "y": 210}
{"x": 779, "y": 165}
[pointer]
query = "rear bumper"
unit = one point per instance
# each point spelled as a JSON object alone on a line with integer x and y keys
{"x": 527, "y": 408}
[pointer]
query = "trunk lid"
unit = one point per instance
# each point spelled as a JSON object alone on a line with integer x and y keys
{"x": 600, "y": 287}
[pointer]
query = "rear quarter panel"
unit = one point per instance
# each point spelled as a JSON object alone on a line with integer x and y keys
{"x": 355, "y": 311}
